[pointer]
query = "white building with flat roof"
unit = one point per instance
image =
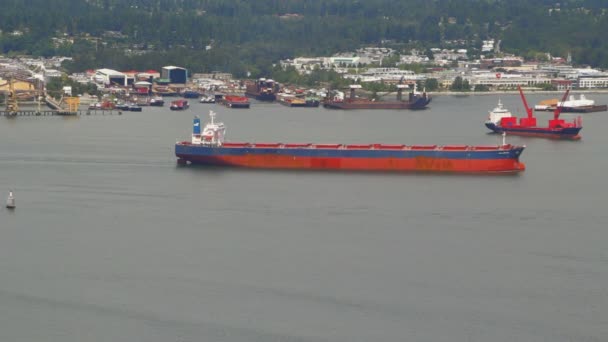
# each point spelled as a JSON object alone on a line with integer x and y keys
{"x": 593, "y": 82}
{"x": 501, "y": 80}
{"x": 110, "y": 77}
{"x": 344, "y": 61}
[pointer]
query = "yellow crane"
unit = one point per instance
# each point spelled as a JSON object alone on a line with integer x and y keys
{"x": 12, "y": 107}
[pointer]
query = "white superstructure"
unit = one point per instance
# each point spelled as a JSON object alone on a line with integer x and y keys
{"x": 573, "y": 102}
{"x": 212, "y": 134}
{"x": 498, "y": 113}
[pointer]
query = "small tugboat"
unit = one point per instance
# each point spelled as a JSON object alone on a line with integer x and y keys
{"x": 157, "y": 101}
{"x": 134, "y": 107}
{"x": 501, "y": 120}
{"x": 122, "y": 106}
{"x": 207, "y": 99}
{"x": 104, "y": 105}
{"x": 179, "y": 105}
{"x": 10, "y": 200}
{"x": 129, "y": 107}
{"x": 207, "y": 147}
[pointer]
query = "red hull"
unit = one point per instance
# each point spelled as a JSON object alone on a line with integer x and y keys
{"x": 419, "y": 164}
{"x": 233, "y": 101}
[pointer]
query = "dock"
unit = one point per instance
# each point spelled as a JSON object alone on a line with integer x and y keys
{"x": 64, "y": 106}
{"x": 58, "y": 113}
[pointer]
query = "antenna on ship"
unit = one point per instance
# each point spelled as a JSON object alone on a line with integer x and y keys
{"x": 212, "y": 115}
{"x": 10, "y": 201}
{"x": 504, "y": 138}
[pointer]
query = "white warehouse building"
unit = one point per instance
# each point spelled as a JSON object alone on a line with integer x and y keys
{"x": 110, "y": 77}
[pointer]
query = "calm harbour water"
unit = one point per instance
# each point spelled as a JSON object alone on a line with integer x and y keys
{"x": 111, "y": 241}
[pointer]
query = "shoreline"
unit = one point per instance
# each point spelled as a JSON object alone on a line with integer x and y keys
{"x": 516, "y": 92}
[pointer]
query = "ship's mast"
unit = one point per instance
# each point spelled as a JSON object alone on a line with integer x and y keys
{"x": 352, "y": 90}
{"x": 558, "y": 108}
{"x": 523, "y": 99}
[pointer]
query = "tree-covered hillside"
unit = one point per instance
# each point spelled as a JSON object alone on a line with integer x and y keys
{"x": 251, "y": 35}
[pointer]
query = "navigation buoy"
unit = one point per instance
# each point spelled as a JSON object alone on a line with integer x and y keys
{"x": 10, "y": 201}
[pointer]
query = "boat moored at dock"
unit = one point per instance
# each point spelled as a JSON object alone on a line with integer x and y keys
{"x": 262, "y": 89}
{"x": 415, "y": 100}
{"x": 191, "y": 94}
{"x": 207, "y": 99}
{"x": 207, "y": 147}
{"x": 179, "y": 105}
{"x": 235, "y": 101}
{"x": 157, "y": 101}
{"x": 572, "y": 105}
{"x": 298, "y": 101}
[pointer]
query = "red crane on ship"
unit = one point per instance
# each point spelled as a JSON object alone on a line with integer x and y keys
{"x": 531, "y": 120}
{"x": 501, "y": 120}
{"x": 556, "y": 122}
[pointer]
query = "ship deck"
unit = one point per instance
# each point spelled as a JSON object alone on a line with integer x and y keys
{"x": 385, "y": 147}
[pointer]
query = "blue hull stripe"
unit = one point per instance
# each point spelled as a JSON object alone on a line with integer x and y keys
{"x": 344, "y": 153}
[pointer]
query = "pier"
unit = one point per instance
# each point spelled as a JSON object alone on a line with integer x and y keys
{"x": 58, "y": 113}
{"x": 64, "y": 106}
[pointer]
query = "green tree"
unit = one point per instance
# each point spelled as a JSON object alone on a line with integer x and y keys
{"x": 457, "y": 84}
{"x": 481, "y": 87}
{"x": 431, "y": 84}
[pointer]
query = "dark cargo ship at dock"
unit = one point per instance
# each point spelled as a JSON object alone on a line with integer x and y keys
{"x": 262, "y": 90}
{"x": 415, "y": 100}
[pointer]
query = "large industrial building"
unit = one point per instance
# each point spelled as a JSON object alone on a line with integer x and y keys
{"x": 111, "y": 77}
{"x": 174, "y": 74}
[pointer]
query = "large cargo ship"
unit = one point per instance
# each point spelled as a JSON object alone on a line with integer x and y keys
{"x": 416, "y": 100}
{"x": 208, "y": 147}
{"x": 501, "y": 120}
{"x": 262, "y": 89}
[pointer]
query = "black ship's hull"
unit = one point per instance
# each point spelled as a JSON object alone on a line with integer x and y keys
{"x": 418, "y": 103}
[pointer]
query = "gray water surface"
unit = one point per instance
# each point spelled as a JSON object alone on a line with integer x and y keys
{"x": 111, "y": 241}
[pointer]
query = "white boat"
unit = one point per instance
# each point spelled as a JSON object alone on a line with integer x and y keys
{"x": 95, "y": 105}
{"x": 87, "y": 99}
{"x": 207, "y": 99}
{"x": 157, "y": 101}
{"x": 10, "y": 201}
{"x": 574, "y": 103}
